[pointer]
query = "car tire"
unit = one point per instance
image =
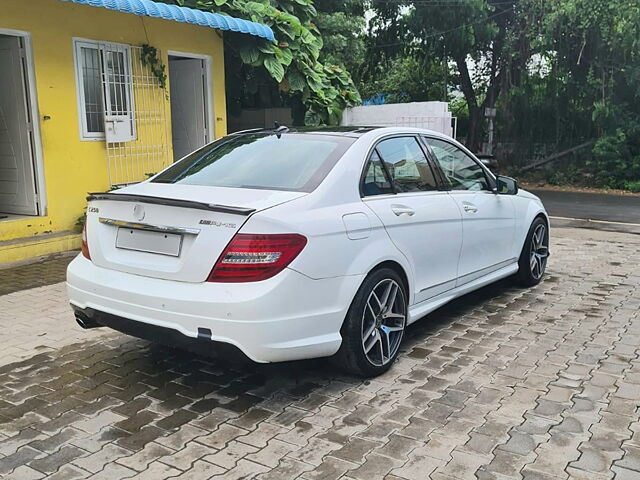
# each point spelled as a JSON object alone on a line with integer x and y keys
{"x": 374, "y": 326}
{"x": 535, "y": 251}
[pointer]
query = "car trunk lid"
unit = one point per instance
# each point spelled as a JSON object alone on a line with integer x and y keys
{"x": 170, "y": 231}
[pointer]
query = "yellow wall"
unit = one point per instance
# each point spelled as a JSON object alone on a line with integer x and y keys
{"x": 73, "y": 167}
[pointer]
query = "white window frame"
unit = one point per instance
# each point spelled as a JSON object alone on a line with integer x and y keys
{"x": 78, "y": 44}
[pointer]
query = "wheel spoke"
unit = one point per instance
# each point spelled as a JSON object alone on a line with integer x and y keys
{"x": 380, "y": 305}
{"x": 394, "y": 328}
{"x": 388, "y": 306}
{"x": 541, "y": 235}
{"x": 385, "y": 297}
{"x": 385, "y": 344}
{"x": 372, "y": 342}
{"x": 373, "y": 314}
{"x": 369, "y": 331}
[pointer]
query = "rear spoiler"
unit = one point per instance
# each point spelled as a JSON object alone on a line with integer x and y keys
{"x": 171, "y": 202}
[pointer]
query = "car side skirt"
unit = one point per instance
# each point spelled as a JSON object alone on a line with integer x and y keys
{"x": 419, "y": 310}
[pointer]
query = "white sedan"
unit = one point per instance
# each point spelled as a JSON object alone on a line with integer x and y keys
{"x": 299, "y": 244}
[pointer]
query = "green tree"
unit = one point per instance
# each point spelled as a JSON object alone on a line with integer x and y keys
{"x": 591, "y": 54}
{"x": 474, "y": 32}
{"x": 434, "y": 35}
{"x": 342, "y": 27}
{"x": 293, "y": 60}
{"x": 408, "y": 79}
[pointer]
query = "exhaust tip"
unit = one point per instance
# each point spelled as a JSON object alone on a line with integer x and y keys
{"x": 85, "y": 322}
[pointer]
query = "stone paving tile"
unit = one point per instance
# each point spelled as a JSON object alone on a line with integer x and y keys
{"x": 111, "y": 471}
{"x": 504, "y": 383}
{"x": 25, "y": 473}
{"x": 140, "y": 460}
{"x": 331, "y": 468}
{"x": 96, "y": 461}
{"x": 39, "y": 274}
{"x": 184, "y": 459}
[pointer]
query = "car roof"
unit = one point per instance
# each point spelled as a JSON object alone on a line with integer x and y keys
{"x": 346, "y": 131}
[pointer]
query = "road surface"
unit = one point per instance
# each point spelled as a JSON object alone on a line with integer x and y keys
{"x": 591, "y": 206}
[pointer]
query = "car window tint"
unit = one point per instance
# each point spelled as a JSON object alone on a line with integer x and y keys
{"x": 376, "y": 181}
{"x": 294, "y": 162}
{"x": 460, "y": 169}
{"x": 407, "y": 165}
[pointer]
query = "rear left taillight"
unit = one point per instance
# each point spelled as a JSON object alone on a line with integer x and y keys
{"x": 251, "y": 258}
{"x": 85, "y": 243}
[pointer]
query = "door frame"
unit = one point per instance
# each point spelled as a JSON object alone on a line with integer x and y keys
{"x": 208, "y": 80}
{"x": 34, "y": 112}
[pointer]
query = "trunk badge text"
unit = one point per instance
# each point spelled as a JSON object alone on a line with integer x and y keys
{"x": 215, "y": 223}
{"x": 138, "y": 212}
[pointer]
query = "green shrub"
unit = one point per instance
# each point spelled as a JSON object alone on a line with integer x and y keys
{"x": 632, "y": 186}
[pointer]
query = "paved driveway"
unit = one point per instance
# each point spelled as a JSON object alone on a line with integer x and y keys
{"x": 504, "y": 383}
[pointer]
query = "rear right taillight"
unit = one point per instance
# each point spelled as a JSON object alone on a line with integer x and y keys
{"x": 85, "y": 243}
{"x": 250, "y": 258}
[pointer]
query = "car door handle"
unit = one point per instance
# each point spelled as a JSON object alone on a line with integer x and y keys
{"x": 469, "y": 207}
{"x": 402, "y": 210}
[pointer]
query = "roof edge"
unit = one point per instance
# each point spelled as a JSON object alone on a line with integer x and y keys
{"x": 149, "y": 8}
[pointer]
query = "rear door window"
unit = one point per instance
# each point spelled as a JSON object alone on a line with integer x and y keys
{"x": 376, "y": 181}
{"x": 407, "y": 165}
{"x": 292, "y": 162}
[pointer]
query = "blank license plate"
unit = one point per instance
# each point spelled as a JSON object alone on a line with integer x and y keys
{"x": 149, "y": 241}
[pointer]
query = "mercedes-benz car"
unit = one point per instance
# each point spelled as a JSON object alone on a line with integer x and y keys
{"x": 293, "y": 244}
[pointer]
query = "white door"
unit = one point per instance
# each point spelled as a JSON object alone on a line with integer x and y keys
{"x": 189, "y": 126}
{"x": 488, "y": 220}
{"x": 17, "y": 179}
{"x": 424, "y": 223}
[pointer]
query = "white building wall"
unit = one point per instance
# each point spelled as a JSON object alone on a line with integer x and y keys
{"x": 430, "y": 115}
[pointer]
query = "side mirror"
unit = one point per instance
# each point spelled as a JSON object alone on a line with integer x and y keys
{"x": 506, "y": 185}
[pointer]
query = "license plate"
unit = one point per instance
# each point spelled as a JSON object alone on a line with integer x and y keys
{"x": 149, "y": 241}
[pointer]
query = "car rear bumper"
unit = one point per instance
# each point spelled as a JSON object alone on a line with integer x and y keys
{"x": 90, "y": 318}
{"x": 287, "y": 317}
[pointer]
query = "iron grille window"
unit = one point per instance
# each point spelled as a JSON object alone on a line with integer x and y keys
{"x": 105, "y": 91}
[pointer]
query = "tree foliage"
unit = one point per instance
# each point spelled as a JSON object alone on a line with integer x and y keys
{"x": 468, "y": 32}
{"x": 559, "y": 72}
{"x": 342, "y": 26}
{"x": 293, "y": 60}
{"x": 590, "y": 89}
{"x": 409, "y": 79}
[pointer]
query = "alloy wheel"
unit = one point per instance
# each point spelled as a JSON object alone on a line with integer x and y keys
{"x": 383, "y": 322}
{"x": 539, "y": 251}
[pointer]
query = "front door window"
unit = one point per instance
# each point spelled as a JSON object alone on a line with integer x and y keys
{"x": 461, "y": 170}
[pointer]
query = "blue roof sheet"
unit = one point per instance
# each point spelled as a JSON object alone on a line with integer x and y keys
{"x": 149, "y": 8}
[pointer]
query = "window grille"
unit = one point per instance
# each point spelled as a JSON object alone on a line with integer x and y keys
{"x": 105, "y": 91}
{"x": 150, "y": 151}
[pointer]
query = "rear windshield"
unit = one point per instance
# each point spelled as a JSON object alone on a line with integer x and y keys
{"x": 294, "y": 162}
